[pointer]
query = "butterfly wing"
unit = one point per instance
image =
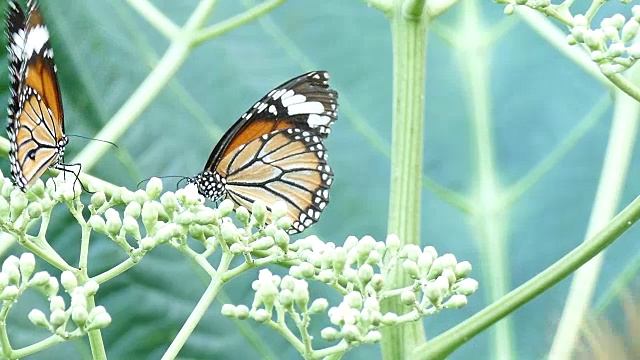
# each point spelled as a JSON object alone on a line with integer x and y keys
{"x": 285, "y": 165}
{"x": 36, "y": 118}
{"x": 305, "y": 102}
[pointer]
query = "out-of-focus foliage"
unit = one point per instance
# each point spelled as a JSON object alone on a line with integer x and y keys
{"x": 536, "y": 96}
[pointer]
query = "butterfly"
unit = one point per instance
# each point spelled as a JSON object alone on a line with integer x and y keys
{"x": 274, "y": 152}
{"x": 36, "y": 119}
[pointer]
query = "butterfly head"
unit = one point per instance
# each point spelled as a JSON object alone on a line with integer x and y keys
{"x": 209, "y": 184}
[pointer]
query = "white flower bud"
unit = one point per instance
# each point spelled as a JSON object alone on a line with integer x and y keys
{"x": 456, "y": 302}
{"x": 281, "y": 239}
{"x": 307, "y": 270}
{"x": 154, "y": 187}
{"x": 51, "y": 287}
{"x": 98, "y": 199}
{"x": 228, "y": 310}
{"x": 330, "y": 334}
{"x": 466, "y": 286}
{"x": 242, "y": 214}
{"x": 100, "y": 321}
{"x": 408, "y": 297}
{"x": 616, "y": 49}
{"x": 372, "y": 337}
{"x": 350, "y": 333}
{"x": 630, "y": 30}
{"x": 68, "y": 281}
{"x": 90, "y": 288}
{"x": 284, "y": 223}
{"x": 259, "y": 212}
{"x": 147, "y": 243}
{"x": 79, "y": 315}
{"x": 38, "y": 318}
{"x": 9, "y": 293}
{"x": 261, "y": 315}
{"x": 618, "y": 21}
{"x": 97, "y": 223}
{"x": 57, "y": 318}
{"x": 241, "y": 312}
{"x": 264, "y": 243}
{"x": 225, "y": 208}
{"x": 113, "y": 223}
{"x": 318, "y": 306}
{"x": 365, "y": 273}
{"x": 301, "y": 294}
{"x": 39, "y": 279}
{"x": 34, "y": 210}
{"x": 411, "y": 268}
{"x": 57, "y": 303}
{"x": 508, "y": 9}
{"x": 389, "y": 319}
{"x": 27, "y": 265}
{"x": 353, "y": 300}
{"x": 463, "y": 269}
{"x": 133, "y": 210}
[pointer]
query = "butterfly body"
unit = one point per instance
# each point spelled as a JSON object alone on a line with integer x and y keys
{"x": 274, "y": 152}
{"x": 35, "y": 115}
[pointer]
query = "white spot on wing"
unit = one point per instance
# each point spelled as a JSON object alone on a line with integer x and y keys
{"x": 309, "y": 107}
{"x": 36, "y": 38}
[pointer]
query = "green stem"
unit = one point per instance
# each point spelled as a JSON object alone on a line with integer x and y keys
{"x": 447, "y": 342}
{"x": 98, "y": 351}
{"x": 236, "y": 21}
{"x": 155, "y": 82}
{"x": 37, "y": 347}
{"x": 409, "y": 38}
{"x": 156, "y": 18}
{"x": 490, "y": 218}
{"x": 622, "y": 138}
{"x": 115, "y": 271}
{"x": 200, "y": 309}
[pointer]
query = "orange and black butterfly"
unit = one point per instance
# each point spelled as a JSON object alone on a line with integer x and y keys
{"x": 275, "y": 152}
{"x": 36, "y": 119}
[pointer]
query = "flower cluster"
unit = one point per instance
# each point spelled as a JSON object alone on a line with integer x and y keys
{"x": 357, "y": 270}
{"x": 611, "y": 45}
{"x": 17, "y": 276}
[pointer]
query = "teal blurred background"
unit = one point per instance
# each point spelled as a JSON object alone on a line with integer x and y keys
{"x": 104, "y": 49}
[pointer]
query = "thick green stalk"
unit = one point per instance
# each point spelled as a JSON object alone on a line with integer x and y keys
{"x": 409, "y": 35}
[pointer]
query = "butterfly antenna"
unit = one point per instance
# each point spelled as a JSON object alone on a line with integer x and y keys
{"x": 93, "y": 139}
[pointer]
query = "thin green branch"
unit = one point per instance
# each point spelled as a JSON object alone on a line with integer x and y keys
{"x": 115, "y": 271}
{"x": 235, "y": 21}
{"x": 561, "y": 150}
{"x": 148, "y": 90}
{"x": 622, "y": 138}
{"x": 156, "y": 18}
{"x": 593, "y": 9}
{"x": 490, "y": 220}
{"x": 447, "y": 342}
{"x": 37, "y": 347}
{"x": 199, "y": 310}
{"x": 382, "y": 5}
